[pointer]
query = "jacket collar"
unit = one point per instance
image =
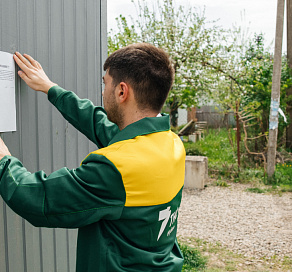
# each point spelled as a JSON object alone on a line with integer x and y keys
{"x": 144, "y": 126}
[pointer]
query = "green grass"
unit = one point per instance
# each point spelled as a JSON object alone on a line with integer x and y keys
{"x": 282, "y": 178}
{"x": 222, "y": 162}
{"x": 274, "y": 189}
{"x": 214, "y": 257}
{"x": 283, "y": 173}
{"x": 193, "y": 259}
{"x": 215, "y": 146}
{"x": 256, "y": 190}
{"x": 221, "y": 183}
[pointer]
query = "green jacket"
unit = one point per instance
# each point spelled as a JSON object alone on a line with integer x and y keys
{"x": 124, "y": 197}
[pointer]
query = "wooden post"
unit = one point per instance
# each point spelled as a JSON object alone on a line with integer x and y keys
{"x": 276, "y": 84}
{"x": 289, "y": 56}
{"x": 238, "y": 135}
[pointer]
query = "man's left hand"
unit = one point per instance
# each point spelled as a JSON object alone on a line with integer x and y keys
{"x": 3, "y": 150}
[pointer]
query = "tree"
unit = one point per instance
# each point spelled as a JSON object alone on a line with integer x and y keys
{"x": 251, "y": 88}
{"x": 190, "y": 41}
{"x": 258, "y": 83}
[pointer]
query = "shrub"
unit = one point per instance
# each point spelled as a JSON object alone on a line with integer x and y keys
{"x": 193, "y": 260}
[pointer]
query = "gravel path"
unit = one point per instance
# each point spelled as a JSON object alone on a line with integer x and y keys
{"x": 255, "y": 225}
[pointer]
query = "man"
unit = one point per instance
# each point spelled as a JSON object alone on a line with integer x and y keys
{"x": 124, "y": 198}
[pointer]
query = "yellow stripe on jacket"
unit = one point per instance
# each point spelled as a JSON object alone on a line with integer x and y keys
{"x": 152, "y": 167}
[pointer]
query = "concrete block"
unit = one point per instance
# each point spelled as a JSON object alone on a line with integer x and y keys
{"x": 196, "y": 174}
{"x": 193, "y": 138}
{"x": 197, "y": 136}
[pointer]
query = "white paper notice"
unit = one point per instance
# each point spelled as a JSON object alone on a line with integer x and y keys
{"x": 7, "y": 93}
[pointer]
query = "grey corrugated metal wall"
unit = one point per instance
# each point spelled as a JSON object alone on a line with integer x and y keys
{"x": 68, "y": 37}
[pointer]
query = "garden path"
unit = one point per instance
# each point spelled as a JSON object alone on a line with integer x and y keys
{"x": 255, "y": 225}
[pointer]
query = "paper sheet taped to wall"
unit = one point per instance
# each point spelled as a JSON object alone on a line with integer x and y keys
{"x": 7, "y": 93}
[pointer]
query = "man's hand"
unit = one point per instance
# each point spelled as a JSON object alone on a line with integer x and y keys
{"x": 32, "y": 73}
{"x": 3, "y": 150}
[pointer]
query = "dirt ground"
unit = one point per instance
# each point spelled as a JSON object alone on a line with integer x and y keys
{"x": 257, "y": 228}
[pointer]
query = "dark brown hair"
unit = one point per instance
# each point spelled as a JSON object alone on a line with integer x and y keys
{"x": 147, "y": 69}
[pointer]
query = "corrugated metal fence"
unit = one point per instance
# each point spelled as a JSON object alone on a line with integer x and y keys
{"x": 68, "y": 37}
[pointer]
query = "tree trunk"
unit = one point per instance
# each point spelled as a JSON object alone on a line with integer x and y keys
{"x": 174, "y": 117}
{"x": 173, "y": 112}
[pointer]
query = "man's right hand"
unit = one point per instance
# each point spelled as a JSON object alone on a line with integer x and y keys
{"x": 32, "y": 73}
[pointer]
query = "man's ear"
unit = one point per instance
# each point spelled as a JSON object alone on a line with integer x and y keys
{"x": 123, "y": 93}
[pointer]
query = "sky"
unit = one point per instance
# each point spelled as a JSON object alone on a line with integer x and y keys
{"x": 255, "y": 16}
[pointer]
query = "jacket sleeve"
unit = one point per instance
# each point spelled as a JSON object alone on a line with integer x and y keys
{"x": 90, "y": 120}
{"x": 66, "y": 198}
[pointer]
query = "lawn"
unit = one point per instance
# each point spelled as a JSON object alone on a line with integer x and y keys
{"x": 219, "y": 147}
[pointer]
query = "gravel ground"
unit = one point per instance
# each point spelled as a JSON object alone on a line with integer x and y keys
{"x": 255, "y": 225}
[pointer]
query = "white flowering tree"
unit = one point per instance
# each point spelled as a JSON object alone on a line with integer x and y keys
{"x": 224, "y": 66}
{"x": 189, "y": 39}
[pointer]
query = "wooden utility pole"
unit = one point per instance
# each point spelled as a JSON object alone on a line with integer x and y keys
{"x": 289, "y": 56}
{"x": 276, "y": 84}
{"x": 238, "y": 135}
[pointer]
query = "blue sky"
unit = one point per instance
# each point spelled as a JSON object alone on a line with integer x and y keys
{"x": 255, "y": 15}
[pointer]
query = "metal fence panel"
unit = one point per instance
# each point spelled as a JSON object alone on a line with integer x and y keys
{"x": 68, "y": 37}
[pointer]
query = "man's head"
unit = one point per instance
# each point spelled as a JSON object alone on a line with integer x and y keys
{"x": 147, "y": 69}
